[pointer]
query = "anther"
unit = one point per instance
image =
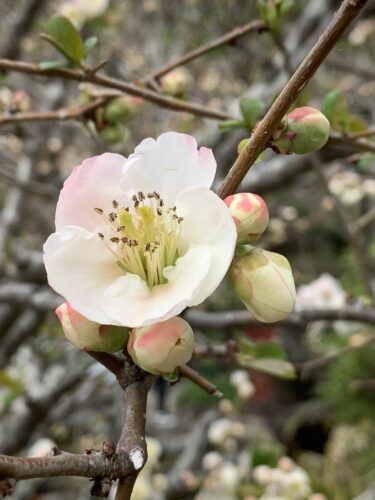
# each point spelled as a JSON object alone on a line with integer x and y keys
{"x": 115, "y": 240}
{"x": 180, "y": 219}
{"x": 136, "y": 204}
{"x": 101, "y": 236}
{"x": 141, "y": 196}
{"x": 157, "y": 195}
{"x": 134, "y": 197}
{"x": 161, "y": 202}
{"x": 124, "y": 239}
{"x": 120, "y": 228}
{"x": 147, "y": 247}
{"x": 115, "y": 203}
{"x": 150, "y": 195}
{"x": 159, "y": 211}
{"x": 99, "y": 211}
{"x": 112, "y": 216}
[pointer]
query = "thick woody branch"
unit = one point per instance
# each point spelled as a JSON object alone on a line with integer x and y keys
{"x": 227, "y": 39}
{"x": 259, "y": 139}
{"x": 114, "y": 83}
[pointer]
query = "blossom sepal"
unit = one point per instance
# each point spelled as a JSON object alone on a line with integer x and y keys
{"x": 302, "y": 131}
{"x": 88, "y": 335}
{"x": 162, "y": 347}
{"x": 264, "y": 283}
{"x": 250, "y": 215}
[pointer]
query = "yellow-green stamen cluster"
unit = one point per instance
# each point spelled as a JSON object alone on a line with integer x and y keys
{"x": 144, "y": 238}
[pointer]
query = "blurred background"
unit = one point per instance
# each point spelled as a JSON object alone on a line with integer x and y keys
{"x": 274, "y": 436}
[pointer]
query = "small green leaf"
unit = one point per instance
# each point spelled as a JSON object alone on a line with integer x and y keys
{"x": 251, "y": 109}
{"x": 231, "y": 125}
{"x": 276, "y": 367}
{"x": 52, "y": 65}
{"x": 270, "y": 349}
{"x": 336, "y": 109}
{"x": 242, "y": 145}
{"x": 245, "y": 345}
{"x": 89, "y": 44}
{"x": 365, "y": 161}
{"x": 172, "y": 377}
{"x": 285, "y": 6}
{"x": 65, "y": 38}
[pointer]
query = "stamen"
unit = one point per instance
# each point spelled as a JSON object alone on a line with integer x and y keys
{"x": 112, "y": 216}
{"x": 157, "y": 195}
{"x": 99, "y": 211}
{"x": 101, "y": 236}
{"x": 115, "y": 203}
{"x": 115, "y": 240}
{"x": 159, "y": 211}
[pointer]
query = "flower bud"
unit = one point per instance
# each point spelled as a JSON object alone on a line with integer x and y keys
{"x": 304, "y": 130}
{"x": 161, "y": 347}
{"x": 88, "y": 335}
{"x": 176, "y": 82}
{"x": 250, "y": 214}
{"x": 122, "y": 109}
{"x": 114, "y": 133}
{"x": 264, "y": 282}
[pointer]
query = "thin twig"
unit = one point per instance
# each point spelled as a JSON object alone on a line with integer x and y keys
{"x": 227, "y": 39}
{"x": 258, "y": 141}
{"x": 64, "y": 114}
{"x": 362, "y": 222}
{"x": 187, "y": 372}
{"x": 114, "y": 83}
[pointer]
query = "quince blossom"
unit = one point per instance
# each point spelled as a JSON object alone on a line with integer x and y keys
{"x": 138, "y": 240}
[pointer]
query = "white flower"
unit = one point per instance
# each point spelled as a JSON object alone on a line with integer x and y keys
{"x": 80, "y": 11}
{"x": 139, "y": 240}
{"x": 325, "y": 292}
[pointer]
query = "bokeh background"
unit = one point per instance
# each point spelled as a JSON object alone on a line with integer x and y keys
{"x": 268, "y": 438}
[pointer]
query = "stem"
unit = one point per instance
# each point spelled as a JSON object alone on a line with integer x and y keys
{"x": 258, "y": 141}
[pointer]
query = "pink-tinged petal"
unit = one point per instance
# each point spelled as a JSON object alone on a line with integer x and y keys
{"x": 169, "y": 165}
{"x": 207, "y": 221}
{"x": 94, "y": 184}
{"x": 80, "y": 267}
{"x": 128, "y": 301}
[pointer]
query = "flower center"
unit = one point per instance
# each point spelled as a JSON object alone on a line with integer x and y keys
{"x": 144, "y": 238}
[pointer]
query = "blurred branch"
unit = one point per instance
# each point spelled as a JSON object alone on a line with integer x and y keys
{"x": 258, "y": 141}
{"x": 64, "y": 114}
{"x": 363, "y": 221}
{"x": 355, "y": 143}
{"x": 242, "y": 318}
{"x": 227, "y": 39}
{"x": 353, "y": 69}
{"x": 114, "y": 83}
{"x": 195, "y": 377}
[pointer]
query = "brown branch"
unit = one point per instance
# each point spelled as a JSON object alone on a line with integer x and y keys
{"x": 362, "y": 222}
{"x": 258, "y": 141}
{"x": 356, "y": 144}
{"x": 187, "y": 372}
{"x": 114, "y": 83}
{"x": 227, "y": 39}
{"x": 64, "y": 114}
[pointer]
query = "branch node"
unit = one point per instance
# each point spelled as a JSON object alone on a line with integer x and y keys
{"x": 101, "y": 487}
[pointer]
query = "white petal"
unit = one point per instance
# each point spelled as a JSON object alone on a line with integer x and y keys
{"x": 131, "y": 303}
{"x": 80, "y": 268}
{"x": 207, "y": 220}
{"x": 169, "y": 165}
{"x": 93, "y": 184}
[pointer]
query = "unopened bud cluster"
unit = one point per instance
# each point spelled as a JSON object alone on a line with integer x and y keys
{"x": 302, "y": 131}
{"x": 263, "y": 280}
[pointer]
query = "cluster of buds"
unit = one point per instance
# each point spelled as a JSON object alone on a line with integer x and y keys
{"x": 111, "y": 120}
{"x": 263, "y": 280}
{"x": 302, "y": 131}
{"x": 159, "y": 348}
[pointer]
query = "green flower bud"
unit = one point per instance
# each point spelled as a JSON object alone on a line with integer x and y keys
{"x": 264, "y": 282}
{"x": 305, "y": 130}
{"x": 122, "y": 108}
{"x": 113, "y": 133}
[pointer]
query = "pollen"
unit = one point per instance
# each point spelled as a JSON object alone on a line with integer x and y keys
{"x": 144, "y": 237}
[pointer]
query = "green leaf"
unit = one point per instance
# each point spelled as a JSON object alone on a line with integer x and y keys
{"x": 276, "y": 367}
{"x": 251, "y": 109}
{"x": 172, "y": 377}
{"x": 245, "y": 345}
{"x": 45, "y": 65}
{"x": 285, "y": 6}
{"x": 65, "y": 38}
{"x": 365, "y": 161}
{"x": 231, "y": 125}
{"x": 355, "y": 124}
{"x": 270, "y": 349}
{"x": 336, "y": 109}
{"x": 89, "y": 44}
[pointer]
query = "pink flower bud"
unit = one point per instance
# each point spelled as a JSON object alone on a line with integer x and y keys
{"x": 305, "y": 130}
{"x": 250, "y": 214}
{"x": 176, "y": 82}
{"x": 88, "y": 335}
{"x": 264, "y": 282}
{"x": 161, "y": 347}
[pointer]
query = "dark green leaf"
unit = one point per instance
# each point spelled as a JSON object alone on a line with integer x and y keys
{"x": 65, "y": 38}
{"x": 251, "y": 109}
